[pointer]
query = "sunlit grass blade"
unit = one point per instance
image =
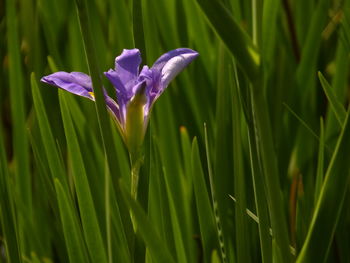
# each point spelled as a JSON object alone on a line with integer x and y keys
{"x": 330, "y": 202}
{"x": 237, "y": 41}
{"x": 336, "y": 106}
{"x": 91, "y": 228}
{"x": 157, "y": 248}
{"x": 72, "y": 232}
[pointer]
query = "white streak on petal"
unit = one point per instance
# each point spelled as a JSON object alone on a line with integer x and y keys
{"x": 173, "y": 67}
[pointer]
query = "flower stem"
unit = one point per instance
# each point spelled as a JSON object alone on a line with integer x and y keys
{"x": 135, "y": 171}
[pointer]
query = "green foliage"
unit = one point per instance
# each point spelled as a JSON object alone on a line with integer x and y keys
{"x": 267, "y": 178}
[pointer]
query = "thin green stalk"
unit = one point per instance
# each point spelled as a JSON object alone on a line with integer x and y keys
{"x": 256, "y": 170}
{"x": 214, "y": 201}
{"x": 330, "y": 202}
{"x": 260, "y": 201}
{"x": 135, "y": 172}
{"x": 242, "y": 239}
{"x": 269, "y": 165}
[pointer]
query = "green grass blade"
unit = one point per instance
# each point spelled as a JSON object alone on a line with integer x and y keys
{"x": 204, "y": 209}
{"x": 260, "y": 201}
{"x": 147, "y": 230}
{"x": 270, "y": 171}
{"x": 72, "y": 233}
{"x": 307, "y": 127}
{"x": 269, "y": 30}
{"x": 103, "y": 118}
{"x": 18, "y": 114}
{"x": 95, "y": 73}
{"x": 330, "y": 202}
{"x": 242, "y": 239}
{"x": 8, "y": 220}
{"x": 219, "y": 230}
{"x": 87, "y": 210}
{"x": 53, "y": 155}
{"x": 139, "y": 38}
{"x": 336, "y": 106}
{"x": 307, "y": 66}
{"x": 179, "y": 239}
{"x": 339, "y": 87}
{"x": 237, "y": 41}
{"x": 320, "y": 164}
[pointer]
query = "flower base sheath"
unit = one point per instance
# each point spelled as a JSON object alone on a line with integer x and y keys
{"x": 136, "y": 91}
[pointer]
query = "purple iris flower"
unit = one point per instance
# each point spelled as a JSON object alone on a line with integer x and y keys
{"x": 129, "y": 83}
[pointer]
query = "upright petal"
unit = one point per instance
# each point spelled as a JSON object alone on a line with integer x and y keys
{"x": 124, "y": 77}
{"x": 127, "y": 67}
{"x": 75, "y": 82}
{"x": 172, "y": 63}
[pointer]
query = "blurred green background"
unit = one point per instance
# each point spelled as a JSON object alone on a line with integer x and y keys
{"x": 246, "y": 155}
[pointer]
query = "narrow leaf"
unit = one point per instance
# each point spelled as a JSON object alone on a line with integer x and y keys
{"x": 52, "y": 153}
{"x": 237, "y": 41}
{"x": 329, "y": 203}
{"x": 204, "y": 209}
{"x": 72, "y": 233}
{"x": 147, "y": 230}
{"x": 336, "y": 106}
{"x": 86, "y": 206}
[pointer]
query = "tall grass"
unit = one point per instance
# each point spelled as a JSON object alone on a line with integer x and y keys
{"x": 245, "y": 157}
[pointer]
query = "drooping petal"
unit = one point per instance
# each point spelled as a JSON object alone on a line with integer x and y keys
{"x": 113, "y": 107}
{"x": 80, "y": 84}
{"x": 113, "y": 77}
{"x": 75, "y": 82}
{"x": 168, "y": 66}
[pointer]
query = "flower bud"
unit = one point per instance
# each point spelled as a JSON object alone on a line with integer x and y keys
{"x": 134, "y": 125}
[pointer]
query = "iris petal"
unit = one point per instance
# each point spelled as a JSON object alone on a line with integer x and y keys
{"x": 75, "y": 82}
{"x": 166, "y": 68}
{"x": 128, "y": 81}
{"x": 127, "y": 67}
{"x": 80, "y": 84}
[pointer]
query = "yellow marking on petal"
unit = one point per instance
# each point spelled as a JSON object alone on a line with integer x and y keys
{"x": 92, "y": 94}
